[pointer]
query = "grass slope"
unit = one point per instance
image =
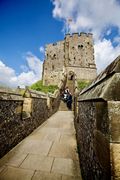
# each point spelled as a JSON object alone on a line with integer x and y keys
{"x": 83, "y": 84}
{"x": 38, "y": 86}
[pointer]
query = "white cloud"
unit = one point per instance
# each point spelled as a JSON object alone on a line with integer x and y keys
{"x": 105, "y": 53}
{"x": 34, "y": 64}
{"x": 42, "y": 50}
{"x": 7, "y": 74}
{"x": 87, "y": 15}
{"x": 98, "y": 17}
{"x": 24, "y": 68}
{"x": 34, "y": 72}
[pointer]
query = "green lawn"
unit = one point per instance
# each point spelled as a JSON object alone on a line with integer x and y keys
{"x": 38, "y": 86}
{"x": 83, "y": 84}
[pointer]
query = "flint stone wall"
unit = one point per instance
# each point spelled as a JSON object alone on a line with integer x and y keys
{"x": 93, "y": 141}
{"x": 20, "y": 116}
{"x": 98, "y": 126}
{"x": 11, "y": 127}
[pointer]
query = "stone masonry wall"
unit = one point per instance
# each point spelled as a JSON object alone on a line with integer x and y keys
{"x": 53, "y": 65}
{"x": 79, "y": 50}
{"x": 82, "y": 73}
{"x": 98, "y": 137}
{"x": 39, "y": 112}
{"x": 98, "y": 126}
{"x": 75, "y": 53}
{"x": 114, "y": 118}
{"x": 93, "y": 142}
{"x": 10, "y": 124}
{"x": 17, "y": 120}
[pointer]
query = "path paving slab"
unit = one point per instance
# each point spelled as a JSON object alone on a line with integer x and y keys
{"x": 39, "y": 175}
{"x": 12, "y": 173}
{"x": 56, "y": 130}
{"x": 48, "y": 153}
{"x": 34, "y": 147}
{"x": 46, "y": 135}
{"x": 63, "y": 150}
{"x": 68, "y": 139}
{"x": 66, "y": 167}
{"x": 71, "y": 178}
{"x": 2, "y": 168}
{"x": 37, "y": 162}
{"x": 13, "y": 158}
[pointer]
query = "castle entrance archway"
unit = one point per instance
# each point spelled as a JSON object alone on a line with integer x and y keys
{"x": 71, "y": 75}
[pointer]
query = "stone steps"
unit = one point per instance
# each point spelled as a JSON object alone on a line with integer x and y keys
{"x": 69, "y": 84}
{"x": 63, "y": 106}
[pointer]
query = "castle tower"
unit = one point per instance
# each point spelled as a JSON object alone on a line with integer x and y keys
{"x": 75, "y": 53}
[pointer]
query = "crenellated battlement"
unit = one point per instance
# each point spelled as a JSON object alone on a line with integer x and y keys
{"x": 68, "y": 37}
{"x": 81, "y": 34}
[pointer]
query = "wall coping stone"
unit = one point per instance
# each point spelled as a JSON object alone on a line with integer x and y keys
{"x": 9, "y": 94}
{"x": 34, "y": 94}
{"x": 106, "y": 85}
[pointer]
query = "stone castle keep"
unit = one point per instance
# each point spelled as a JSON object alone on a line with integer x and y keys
{"x": 73, "y": 55}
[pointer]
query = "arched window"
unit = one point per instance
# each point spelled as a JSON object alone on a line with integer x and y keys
{"x": 80, "y": 46}
{"x": 54, "y": 56}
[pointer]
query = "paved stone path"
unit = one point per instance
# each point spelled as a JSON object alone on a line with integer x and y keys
{"x": 49, "y": 153}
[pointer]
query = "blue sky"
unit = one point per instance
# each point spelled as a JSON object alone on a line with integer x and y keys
{"x": 27, "y": 25}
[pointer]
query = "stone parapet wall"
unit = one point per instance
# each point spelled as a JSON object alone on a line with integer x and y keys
{"x": 93, "y": 142}
{"x": 19, "y": 116}
{"x": 114, "y": 129}
{"x": 11, "y": 127}
{"x": 97, "y": 126}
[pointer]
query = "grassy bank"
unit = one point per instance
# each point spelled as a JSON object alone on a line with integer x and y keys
{"x": 38, "y": 86}
{"x": 83, "y": 84}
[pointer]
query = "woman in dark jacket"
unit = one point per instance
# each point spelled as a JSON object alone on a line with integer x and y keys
{"x": 69, "y": 100}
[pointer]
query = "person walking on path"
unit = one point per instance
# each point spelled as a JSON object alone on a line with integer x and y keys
{"x": 69, "y": 101}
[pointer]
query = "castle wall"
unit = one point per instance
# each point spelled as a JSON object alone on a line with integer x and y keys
{"x": 52, "y": 77}
{"x": 82, "y": 73}
{"x": 53, "y": 65}
{"x": 79, "y": 50}
{"x": 75, "y": 53}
